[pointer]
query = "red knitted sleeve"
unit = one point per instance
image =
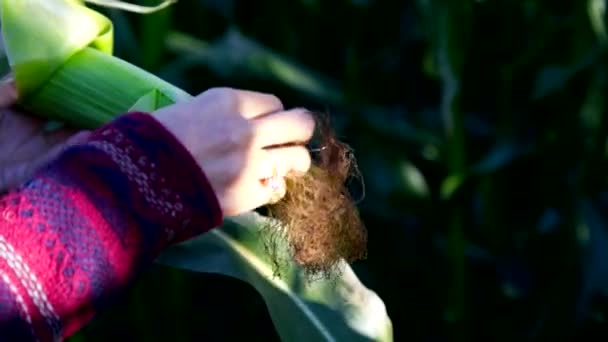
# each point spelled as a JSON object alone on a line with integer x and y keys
{"x": 83, "y": 228}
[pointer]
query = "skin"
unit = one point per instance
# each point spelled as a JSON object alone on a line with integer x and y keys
{"x": 248, "y": 138}
{"x": 24, "y": 145}
{"x": 239, "y": 139}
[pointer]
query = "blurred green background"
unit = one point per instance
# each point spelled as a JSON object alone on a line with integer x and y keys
{"x": 481, "y": 131}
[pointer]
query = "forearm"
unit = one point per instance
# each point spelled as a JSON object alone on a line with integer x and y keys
{"x": 81, "y": 230}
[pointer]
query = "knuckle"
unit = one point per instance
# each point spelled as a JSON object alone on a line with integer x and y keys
{"x": 275, "y": 102}
{"x": 305, "y": 119}
{"x": 239, "y": 131}
{"x": 297, "y": 160}
{"x": 223, "y": 97}
{"x": 309, "y": 119}
{"x": 306, "y": 123}
{"x": 304, "y": 160}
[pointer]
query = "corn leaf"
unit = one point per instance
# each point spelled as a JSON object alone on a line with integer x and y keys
{"x": 335, "y": 309}
{"x": 37, "y": 47}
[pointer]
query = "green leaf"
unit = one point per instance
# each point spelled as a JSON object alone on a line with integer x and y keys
{"x": 554, "y": 78}
{"x": 413, "y": 180}
{"x": 451, "y": 185}
{"x": 597, "y": 12}
{"x": 153, "y": 29}
{"x": 235, "y": 55}
{"x": 501, "y": 155}
{"x": 151, "y": 102}
{"x": 67, "y": 28}
{"x": 336, "y": 309}
{"x": 593, "y": 238}
{"x": 125, "y": 6}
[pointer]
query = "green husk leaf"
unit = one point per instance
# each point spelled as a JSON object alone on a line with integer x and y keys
{"x": 151, "y": 101}
{"x": 92, "y": 87}
{"x": 46, "y": 35}
{"x": 339, "y": 309}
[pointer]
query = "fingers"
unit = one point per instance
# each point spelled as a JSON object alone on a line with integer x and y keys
{"x": 284, "y": 160}
{"x": 249, "y": 104}
{"x": 275, "y": 129}
{"x": 276, "y": 189}
{"x": 262, "y": 194}
{"x": 290, "y": 159}
{"x": 252, "y": 143}
{"x": 274, "y": 125}
{"x": 253, "y": 104}
{"x": 292, "y": 126}
{"x": 12, "y": 176}
{"x": 78, "y": 138}
{"x": 275, "y": 165}
{"x": 16, "y": 173}
{"x": 270, "y": 190}
{"x": 28, "y": 140}
{"x": 8, "y": 92}
{"x": 7, "y": 78}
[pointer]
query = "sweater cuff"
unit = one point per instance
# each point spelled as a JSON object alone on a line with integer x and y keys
{"x": 177, "y": 193}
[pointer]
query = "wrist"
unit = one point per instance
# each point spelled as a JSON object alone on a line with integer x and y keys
{"x": 177, "y": 193}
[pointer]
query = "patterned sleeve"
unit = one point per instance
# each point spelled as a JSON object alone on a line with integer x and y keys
{"x": 80, "y": 231}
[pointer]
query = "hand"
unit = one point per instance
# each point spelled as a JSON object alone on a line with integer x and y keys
{"x": 245, "y": 142}
{"x": 24, "y": 145}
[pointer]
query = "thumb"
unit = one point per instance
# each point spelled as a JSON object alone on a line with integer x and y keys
{"x": 8, "y": 92}
{"x": 52, "y": 153}
{"x": 16, "y": 174}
